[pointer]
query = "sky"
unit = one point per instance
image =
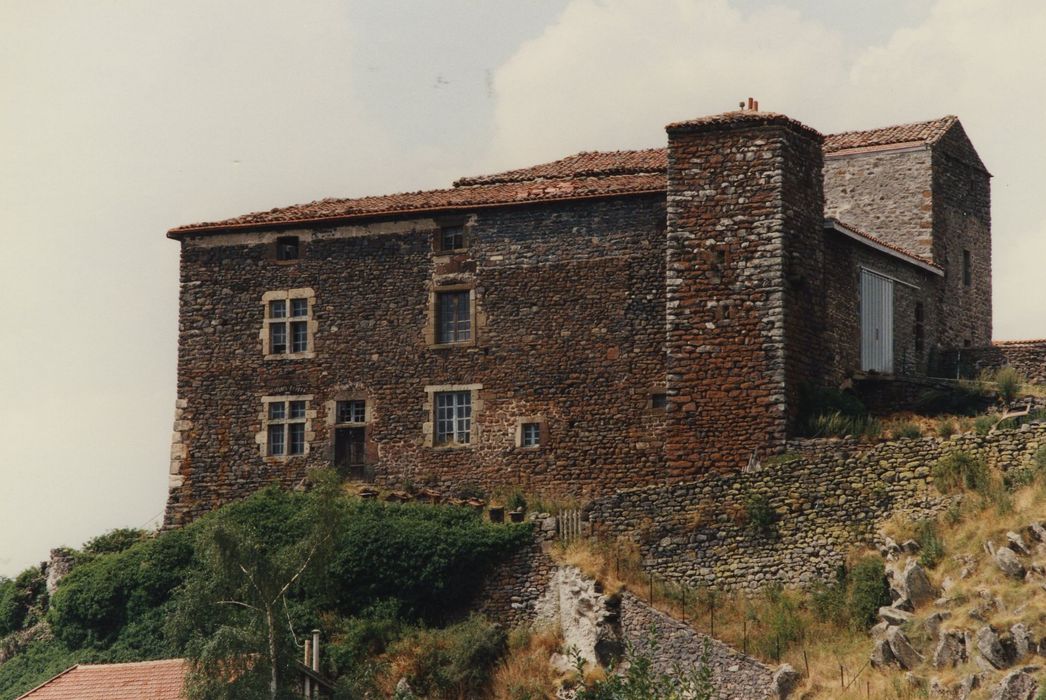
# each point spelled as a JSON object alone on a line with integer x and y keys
{"x": 120, "y": 119}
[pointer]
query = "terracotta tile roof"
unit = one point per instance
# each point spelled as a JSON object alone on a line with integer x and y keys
{"x": 580, "y": 176}
{"x": 584, "y": 164}
{"x": 479, "y": 196}
{"x": 155, "y": 680}
{"x": 921, "y": 132}
{"x": 878, "y": 242}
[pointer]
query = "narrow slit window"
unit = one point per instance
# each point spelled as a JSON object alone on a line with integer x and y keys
{"x": 967, "y": 270}
{"x": 920, "y": 327}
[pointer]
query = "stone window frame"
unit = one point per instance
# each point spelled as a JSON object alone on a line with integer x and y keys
{"x": 432, "y": 330}
{"x": 332, "y": 409}
{"x": 428, "y": 428}
{"x": 311, "y": 324}
{"x": 262, "y": 437}
{"x": 542, "y": 432}
{"x": 650, "y": 404}
{"x": 447, "y": 222}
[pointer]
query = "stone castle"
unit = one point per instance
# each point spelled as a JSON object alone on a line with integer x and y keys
{"x": 603, "y": 321}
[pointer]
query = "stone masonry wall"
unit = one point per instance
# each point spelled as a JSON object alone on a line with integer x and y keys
{"x": 962, "y": 222}
{"x": 569, "y": 331}
{"x": 1026, "y": 356}
{"x": 510, "y": 593}
{"x": 729, "y": 236}
{"x": 828, "y": 500}
{"x": 672, "y": 644}
{"x": 843, "y": 261}
{"x": 887, "y": 194}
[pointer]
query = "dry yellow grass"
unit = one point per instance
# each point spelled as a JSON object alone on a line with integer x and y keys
{"x": 525, "y": 673}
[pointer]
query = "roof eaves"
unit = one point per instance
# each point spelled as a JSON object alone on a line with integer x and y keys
{"x": 50, "y": 680}
{"x": 207, "y": 229}
{"x": 882, "y": 246}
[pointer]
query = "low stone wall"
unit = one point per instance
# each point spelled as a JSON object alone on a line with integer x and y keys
{"x": 510, "y": 593}
{"x": 831, "y": 497}
{"x": 673, "y": 644}
{"x": 1026, "y": 356}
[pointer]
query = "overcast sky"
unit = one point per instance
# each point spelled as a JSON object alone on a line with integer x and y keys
{"x": 122, "y": 118}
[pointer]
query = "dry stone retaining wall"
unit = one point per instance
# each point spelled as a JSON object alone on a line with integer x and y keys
{"x": 672, "y": 645}
{"x": 827, "y": 500}
{"x": 1026, "y": 356}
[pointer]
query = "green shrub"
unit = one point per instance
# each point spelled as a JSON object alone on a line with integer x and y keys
{"x": 455, "y": 662}
{"x": 638, "y": 679}
{"x": 947, "y": 428}
{"x": 22, "y": 600}
{"x": 115, "y": 541}
{"x": 829, "y": 601}
{"x": 961, "y": 471}
{"x": 1039, "y": 459}
{"x": 982, "y": 425}
{"x": 517, "y": 501}
{"x": 1017, "y": 478}
{"x": 931, "y": 546}
{"x": 761, "y": 515}
{"x": 868, "y": 591}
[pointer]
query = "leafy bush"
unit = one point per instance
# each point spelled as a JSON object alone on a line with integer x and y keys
{"x": 455, "y": 662}
{"x": 869, "y": 591}
{"x": 947, "y": 428}
{"x": 782, "y": 624}
{"x": 22, "y": 600}
{"x": 760, "y": 514}
{"x": 854, "y": 598}
{"x": 931, "y": 546}
{"x": 1017, "y": 478}
{"x": 825, "y": 412}
{"x": 34, "y": 665}
{"x": 1039, "y": 459}
{"x": 517, "y": 501}
{"x": 961, "y": 471}
{"x": 115, "y": 541}
{"x": 982, "y": 425}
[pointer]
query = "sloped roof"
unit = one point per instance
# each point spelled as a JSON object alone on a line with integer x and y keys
{"x": 155, "y": 680}
{"x": 883, "y": 246}
{"x": 920, "y": 132}
{"x": 588, "y": 174}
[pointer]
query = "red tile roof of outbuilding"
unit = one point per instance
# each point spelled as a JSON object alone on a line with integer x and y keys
{"x": 155, "y": 680}
{"x": 584, "y": 175}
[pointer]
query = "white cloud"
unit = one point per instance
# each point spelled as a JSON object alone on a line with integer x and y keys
{"x": 611, "y": 74}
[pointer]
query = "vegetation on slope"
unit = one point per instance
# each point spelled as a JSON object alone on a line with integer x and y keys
{"x": 378, "y": 581}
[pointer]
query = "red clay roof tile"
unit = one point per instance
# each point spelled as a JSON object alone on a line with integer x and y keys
{"x": 155, "y": 680}
{"x": 580, "y": 176}
{"x": 920, "y": 132}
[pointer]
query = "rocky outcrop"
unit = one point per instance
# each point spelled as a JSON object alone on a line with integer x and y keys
{"x": 1017, "y": 685}
{"x": 1007, "y": 561}
{"x": 587, "y": 620}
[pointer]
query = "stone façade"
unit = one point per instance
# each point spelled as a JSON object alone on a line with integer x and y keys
{"x": 595, "y": 288}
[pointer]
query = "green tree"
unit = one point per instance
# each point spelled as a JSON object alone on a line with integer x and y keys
{"x": 233, "y": 614}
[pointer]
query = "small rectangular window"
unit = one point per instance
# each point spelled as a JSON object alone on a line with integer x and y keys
{"x": 287, "y": 248}
{"x": 453, "y": 317}
{"x": 453, "y": 417}
{"x": 352, "y": 411}
{"x": 659, "y": 401}
{"x": 531, "y": 435}
{"x": 452, "y": 238}
{"x": 967, "y": 271}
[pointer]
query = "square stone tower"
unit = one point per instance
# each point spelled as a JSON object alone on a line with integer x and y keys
{"x": 745, "y": 300}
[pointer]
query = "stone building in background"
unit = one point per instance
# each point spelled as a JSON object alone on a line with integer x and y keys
{"x": 602, "y": 321}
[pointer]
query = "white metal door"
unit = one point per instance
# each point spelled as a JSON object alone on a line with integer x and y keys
{"x": 876, "y": 323}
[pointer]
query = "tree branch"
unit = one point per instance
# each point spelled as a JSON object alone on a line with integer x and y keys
{"x": 241, "y": 604}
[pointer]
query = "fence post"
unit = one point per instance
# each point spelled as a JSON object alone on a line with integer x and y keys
{"x": 651, "y": 590}
{"x": 744, "y": 634}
